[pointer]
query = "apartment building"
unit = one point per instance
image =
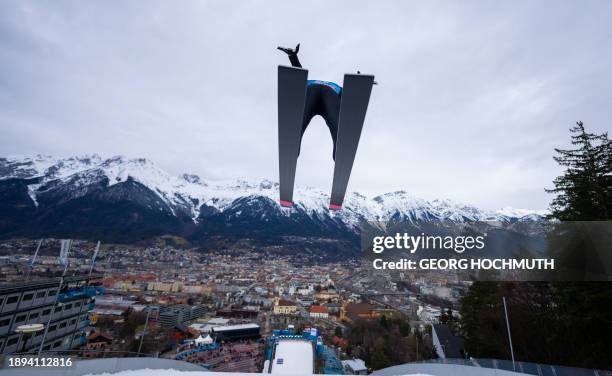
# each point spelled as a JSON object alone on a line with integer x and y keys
{"x": 65, "y": 311}
{"x": 180, "y": 314}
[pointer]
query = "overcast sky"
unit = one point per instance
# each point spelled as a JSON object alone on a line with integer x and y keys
{"x": 473, "y": 95}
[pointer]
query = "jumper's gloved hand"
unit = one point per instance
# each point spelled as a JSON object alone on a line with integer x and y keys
{"x": 290, "y": 51}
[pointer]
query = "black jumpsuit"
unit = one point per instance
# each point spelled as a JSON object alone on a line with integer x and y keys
{"x": 322, "y": 98}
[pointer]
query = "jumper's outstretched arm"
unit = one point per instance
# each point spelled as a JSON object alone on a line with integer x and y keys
{"x": 292, "y": 53}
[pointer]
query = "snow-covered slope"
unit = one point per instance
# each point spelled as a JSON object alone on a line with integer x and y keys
{"x": 190, "y": 193}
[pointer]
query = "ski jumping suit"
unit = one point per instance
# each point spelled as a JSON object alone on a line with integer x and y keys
{"x": 322, "y": 98}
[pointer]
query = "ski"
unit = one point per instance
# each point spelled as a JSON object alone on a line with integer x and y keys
{"x": 291, "y": 98}
{"x": 353, "y": 106}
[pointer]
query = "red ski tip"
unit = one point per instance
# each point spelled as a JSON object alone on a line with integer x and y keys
{"x": 335, "y": 207}
{"x": 286, "y": 204}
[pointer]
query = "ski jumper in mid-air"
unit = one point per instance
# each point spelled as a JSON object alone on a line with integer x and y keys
{"x": 343, "y": 110}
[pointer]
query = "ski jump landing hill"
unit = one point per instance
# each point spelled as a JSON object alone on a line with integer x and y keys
{"x": 292, "y": 354}
{"x": 293, "y": 357}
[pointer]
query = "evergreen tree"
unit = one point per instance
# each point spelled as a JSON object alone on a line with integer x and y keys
{"x": 584, "y": 191}
{"x": 404, "y": 328}
{"x": 383, "y": 321}
{"x": 565, "y": 323}
{"x": 379, "y": 357}
{"x": 583, "y": 196}
{"x": 481, "y": 320}
{"x": 584, "y": 323}
{"x": 338, "y": 332}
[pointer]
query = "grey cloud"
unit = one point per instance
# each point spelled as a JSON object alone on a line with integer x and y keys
{"x": 473, "y": 96}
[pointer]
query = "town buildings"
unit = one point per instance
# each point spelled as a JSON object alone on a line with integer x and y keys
{"x": 63, "y": 312}
{"x": 319, "y": 312}
{"x": 284, "y": 307}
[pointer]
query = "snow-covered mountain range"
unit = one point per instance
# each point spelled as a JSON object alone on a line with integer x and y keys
{"x": 190, "y": 196}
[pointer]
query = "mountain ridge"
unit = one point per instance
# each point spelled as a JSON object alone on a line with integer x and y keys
{"x": 189, "y": 193}
{"x": 131, "y": 200}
